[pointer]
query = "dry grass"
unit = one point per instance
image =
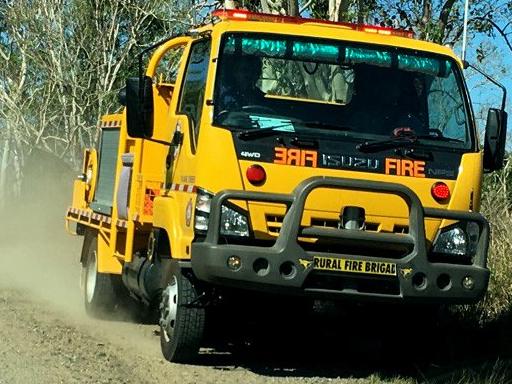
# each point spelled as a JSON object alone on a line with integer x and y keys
{"x": 498, "y": 372}
{"x": 497, "y": 207}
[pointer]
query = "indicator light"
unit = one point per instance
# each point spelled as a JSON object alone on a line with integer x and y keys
{"x": 440, "y": 192}
{"x": 256, "y": 174}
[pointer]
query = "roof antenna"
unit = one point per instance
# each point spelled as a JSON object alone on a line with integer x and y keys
{"x": 465, "y": 30}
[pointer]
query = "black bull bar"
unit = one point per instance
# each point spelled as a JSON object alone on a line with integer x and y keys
{"x": 209, "y": 258}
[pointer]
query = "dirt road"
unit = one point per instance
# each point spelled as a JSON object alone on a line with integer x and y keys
{"x": 45, "y": 336}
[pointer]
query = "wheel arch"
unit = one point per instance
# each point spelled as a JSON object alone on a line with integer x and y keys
{"x": 174, "y": 235}
{"x": 88, "y": 237}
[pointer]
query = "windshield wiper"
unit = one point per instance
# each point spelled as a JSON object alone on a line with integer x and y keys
{"x": 261, "y": 132}
{"x": 269, "y": 131}
{"x": 381, "y": 145}
{"x": 323, "y": 125}
{"x": 440, "y": 138}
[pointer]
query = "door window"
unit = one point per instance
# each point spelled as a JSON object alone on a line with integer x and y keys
{"x": 192, "y": 96}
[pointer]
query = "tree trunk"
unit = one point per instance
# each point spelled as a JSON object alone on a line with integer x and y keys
{"x": 332, "y": 10}
{"x": 264, "y": 6}
{"x": 426, "y": 17}
{"x": 443, "y": 19}
{"x": 3, "y": 173}
{"x": 293, "y": 7}
{"x": 343, "y": 10}
{"x": 361, "y": 10}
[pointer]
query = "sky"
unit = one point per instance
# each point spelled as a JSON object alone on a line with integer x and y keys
{"x": 498, "y": 65}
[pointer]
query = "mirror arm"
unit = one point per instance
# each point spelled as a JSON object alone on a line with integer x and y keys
{"x": 141, "y": 78}
{"x": 158, "y": 141}
{"x": 504, "y": 100}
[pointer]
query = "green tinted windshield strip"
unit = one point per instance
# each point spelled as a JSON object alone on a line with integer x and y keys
{"x": 368, "y": 56}
{"x": 427, "y": 65}
{"x": 312, "y": 51}
{"x": 257, "y": 46}
{"x": 320, "y": 52}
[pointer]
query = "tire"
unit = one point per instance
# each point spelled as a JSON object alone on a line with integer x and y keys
{"x": 100, "y": 290}
{"x": 181, "y": 326}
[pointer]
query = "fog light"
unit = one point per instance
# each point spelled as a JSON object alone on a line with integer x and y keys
{"x": 234, "y": 263}
{"x": 468, "y": 282}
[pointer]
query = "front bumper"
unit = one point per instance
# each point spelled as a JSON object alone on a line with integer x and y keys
{"x": 289, "y": 268}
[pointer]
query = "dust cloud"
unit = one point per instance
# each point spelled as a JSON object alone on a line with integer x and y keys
{"x": 36, "y": 253}
{"x": 41, "y": 261}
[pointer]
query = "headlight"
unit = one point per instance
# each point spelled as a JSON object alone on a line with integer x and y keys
{"x": 460, "y": 239}
{"x": 232, "y": 222}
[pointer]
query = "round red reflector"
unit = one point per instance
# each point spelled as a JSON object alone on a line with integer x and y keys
{"x": 440, "y": 191}
{"x": 256, "y": 174}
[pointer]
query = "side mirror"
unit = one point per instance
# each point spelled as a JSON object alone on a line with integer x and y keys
{"x": 495, "y": 138}
{"x": 139, "y": 107}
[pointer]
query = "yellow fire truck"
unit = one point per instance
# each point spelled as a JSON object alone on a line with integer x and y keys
{"x": 274, "y": 154}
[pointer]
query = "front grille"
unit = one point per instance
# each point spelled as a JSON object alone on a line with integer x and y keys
{"x": 275, "y": 222}
{"x": 332, "y": 245}
{"x": 362, "y": 283}
{"x": 329, "y": 223}
{"x": 403, "y": 229}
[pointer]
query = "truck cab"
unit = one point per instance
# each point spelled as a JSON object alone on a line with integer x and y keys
{"x": 284, "y": 155}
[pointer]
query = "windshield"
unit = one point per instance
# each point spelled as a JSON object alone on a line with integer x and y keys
{"x": 339, "y": 89}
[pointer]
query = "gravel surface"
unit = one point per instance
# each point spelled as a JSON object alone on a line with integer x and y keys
{"x": 42, "y": 344}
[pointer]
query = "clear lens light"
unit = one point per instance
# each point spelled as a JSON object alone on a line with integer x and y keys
{"x": 452, "y": 242}
{"x": 203, "y": 203}
{"x": 201, "y": 223}
{"x": 233, "y": 223}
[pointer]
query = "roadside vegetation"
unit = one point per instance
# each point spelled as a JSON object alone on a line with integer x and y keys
{"x": 497, "y": 207}
{"x": 482, "y": 334}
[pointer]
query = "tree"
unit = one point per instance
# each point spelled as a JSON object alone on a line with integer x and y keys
{"x": 61, "y": 65}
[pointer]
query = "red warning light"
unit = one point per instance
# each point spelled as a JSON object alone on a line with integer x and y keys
{"x": 240, "y": 14}
{"x": 440, "y": 191}
{"x": 256, "y": 174}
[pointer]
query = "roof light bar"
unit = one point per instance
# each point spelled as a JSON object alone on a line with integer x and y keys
{"x": 239, "y": 14}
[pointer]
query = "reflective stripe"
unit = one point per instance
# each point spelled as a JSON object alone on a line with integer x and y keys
{"x": 188, "y": 188}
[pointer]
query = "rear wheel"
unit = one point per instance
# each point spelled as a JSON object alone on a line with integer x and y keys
{"x": 100, "y": 290}
{"x": 182, "y": 319}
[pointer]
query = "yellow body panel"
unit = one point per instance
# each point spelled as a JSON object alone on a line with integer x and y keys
{"x": 173, "y": 212}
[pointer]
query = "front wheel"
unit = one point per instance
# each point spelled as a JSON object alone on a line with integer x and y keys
{"x": 99, "y": 289}
{"x": 182, "y": 319}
